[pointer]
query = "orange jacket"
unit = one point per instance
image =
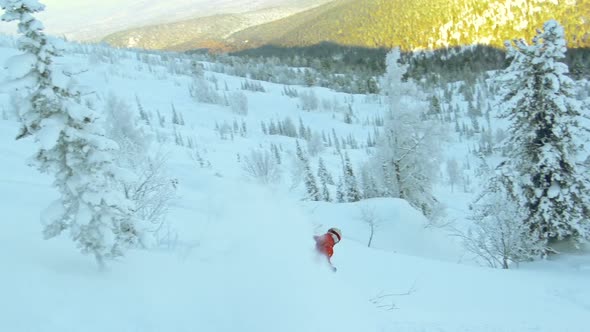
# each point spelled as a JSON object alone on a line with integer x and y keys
{"x": 324, "y": 244}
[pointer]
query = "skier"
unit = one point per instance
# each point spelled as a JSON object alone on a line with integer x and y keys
{"x": 324, "y": 244}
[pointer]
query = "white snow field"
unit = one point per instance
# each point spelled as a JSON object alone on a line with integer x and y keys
{"x": 240, "y": 255}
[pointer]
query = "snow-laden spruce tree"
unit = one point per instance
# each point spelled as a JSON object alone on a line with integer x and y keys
{"x": 407, "y": 157}
{"x": 323, "y": 173}
{"x": 351, "y": 188}
{"x": 325, "y": 180}
{"x": 540, "y": 167}
{"x": 72, "y": 147}
{"x": 311, "y": 186}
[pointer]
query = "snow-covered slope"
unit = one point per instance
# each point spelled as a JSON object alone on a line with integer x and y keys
{"x": 238, "y": 256}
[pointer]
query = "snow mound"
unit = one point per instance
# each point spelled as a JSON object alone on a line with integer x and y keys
{"x": 398, "y": 227}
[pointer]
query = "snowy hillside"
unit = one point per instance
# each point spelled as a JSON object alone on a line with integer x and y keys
{"x": 92, "y": 20}
{"x": 235, "y": 250}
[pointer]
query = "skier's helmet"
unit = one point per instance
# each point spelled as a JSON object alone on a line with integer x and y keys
{"x": 336, "y": 234}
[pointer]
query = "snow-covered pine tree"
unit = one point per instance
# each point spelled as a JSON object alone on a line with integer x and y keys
{"x": 540, "y": 166}
{"x": 142, "y": 113}
{"x": 311, "y": 185}
{"x": 161, "y": 119}
{"x": 181, "y": 119}
{"x": 340, "y": 193}
{"x": 326, "y": 196}
{"x": 263, "y": 127}
{"x": 323, "y": 173}
{"x": 72, "y": 146}
{"x": 276, "y": 153}
{"x": 272, "y": 128}
{"x": 175, "y": 117}
{"x": 407, "y": 153}
{"x": 351, "y": 189}
{"x": 336, "y": 140}
{"x": 325, "y": 179}
{"x": 301, "y": 129}
{"x": 299, "y": 153}
{"x": 435, "y": 107}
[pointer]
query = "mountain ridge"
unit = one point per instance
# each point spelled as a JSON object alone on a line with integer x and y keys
{"x": 201, "y": 32}
{"x": 183, "y": 35}
{"x": 427, "y": 24}
{"x": 419, "y": 24}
